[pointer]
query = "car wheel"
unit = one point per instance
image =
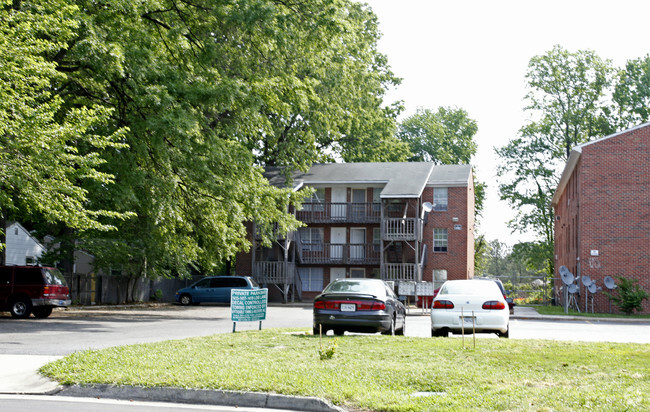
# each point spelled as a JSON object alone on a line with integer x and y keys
{"x": 402, "y": 331}
{"x": 391, "y": 331}
{"x": 42, "y": 313}
{"x": 505, "y": 334}
{"x": 439, "y": 333}
{"x": 21, "y": 308}
{"x": 186, "y": 300}
{"x": 339, "y": 331}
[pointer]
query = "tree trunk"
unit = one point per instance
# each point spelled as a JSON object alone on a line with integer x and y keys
{"x": 3, "y": 237}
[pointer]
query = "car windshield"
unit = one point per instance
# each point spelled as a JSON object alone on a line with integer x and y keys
{"x": 469, "y": 287}
{"x": 356, "y": 286}
{"x": 54, "y": 277}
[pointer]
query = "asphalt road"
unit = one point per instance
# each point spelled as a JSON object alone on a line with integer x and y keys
{"x": 69, "y": 331}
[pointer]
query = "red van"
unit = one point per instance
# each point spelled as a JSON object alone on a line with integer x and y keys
{"x": 32, "y": 289}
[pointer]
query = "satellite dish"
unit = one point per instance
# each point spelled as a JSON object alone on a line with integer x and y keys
{"x": 567, "y": 277}
{"x": 427, "y": 206}
{"x": 609, "y": 282}
{"x": 573, "y": 288}
{"x": 592, "y": 288}
{"x": 586, "y": 280}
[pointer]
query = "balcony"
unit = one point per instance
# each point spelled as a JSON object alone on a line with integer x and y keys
{"x": 407, "y": 229}
{"x": 267, "y": 272}
{"x": 348, "y": 254}
{"x": 400, "y": 272}
{"x": 339, "y": 213}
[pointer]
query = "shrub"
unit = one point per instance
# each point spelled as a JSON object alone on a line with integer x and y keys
{"x": 629, "y": 295}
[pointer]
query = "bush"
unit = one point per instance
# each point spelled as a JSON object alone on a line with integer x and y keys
{"x": 629, "y": 295}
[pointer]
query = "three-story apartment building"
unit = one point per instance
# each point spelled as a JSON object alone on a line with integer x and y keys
{"x": 393, "y": 221}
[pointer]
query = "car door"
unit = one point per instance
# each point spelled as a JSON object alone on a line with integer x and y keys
{"x": 5, "y": 283}
{"x": 202, "y": 290}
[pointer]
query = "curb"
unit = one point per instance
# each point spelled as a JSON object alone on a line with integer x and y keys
{"x": 202, "y": 397}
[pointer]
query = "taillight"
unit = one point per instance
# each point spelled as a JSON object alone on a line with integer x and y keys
{"x": 326, "y": 304}
{"x": 442, "y": 304}
{"x": 494, "y": 305}
{"x": 360, "y": 305}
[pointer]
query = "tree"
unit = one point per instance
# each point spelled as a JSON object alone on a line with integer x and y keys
{"x": 442, "y": 137}
{"x": 567, "y": 101}
{"x": 632, "y": 94}
{"x": 210, "y": 92}
{"x": 47, "y": 151}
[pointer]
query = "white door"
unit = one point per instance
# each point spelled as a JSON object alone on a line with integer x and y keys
{"x": 337, "y": 273}
{"x": 339, "y": 202}
{"x": 357, "y": 243}
{"x": 337, "y": 242}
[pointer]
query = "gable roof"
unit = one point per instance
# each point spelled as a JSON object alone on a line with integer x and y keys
{"x": 575, "y": 156}
{"x": 400, "y": 179}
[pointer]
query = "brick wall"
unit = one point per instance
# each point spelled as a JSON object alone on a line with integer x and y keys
{"x": 458, "y": 260}
{"x": 604, "y": 225}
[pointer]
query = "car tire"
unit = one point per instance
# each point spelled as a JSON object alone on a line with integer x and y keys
{"x": 402, "y": 331}
{"x": 42, "y": 312}
{"x": 339, "y": 331}
{"x": 21, "y": 308}
{"x": 439, "y": 333}
{"x": 391, "y": 330}
{"x": 186, "y": 300}
{"x": 505, "y": 334}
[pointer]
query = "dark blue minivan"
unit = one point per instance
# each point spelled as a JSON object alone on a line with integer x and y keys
{"x": 214, "y": 289}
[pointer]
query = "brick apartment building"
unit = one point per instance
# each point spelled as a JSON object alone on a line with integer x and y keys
{"x": 602, "y": 214}
{"x": 392, "y": 221}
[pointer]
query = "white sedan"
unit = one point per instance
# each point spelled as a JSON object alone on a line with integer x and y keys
{"x": 473, "y": 305}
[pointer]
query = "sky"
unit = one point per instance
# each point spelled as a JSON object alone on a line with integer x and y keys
{"x": 474, "y": 54}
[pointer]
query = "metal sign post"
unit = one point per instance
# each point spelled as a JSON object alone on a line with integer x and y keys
{"x": 248, "y": 305}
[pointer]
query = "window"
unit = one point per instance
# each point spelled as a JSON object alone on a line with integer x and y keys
{"x": 312, "y": 238}
{"x": 376, "y": 239}
{"x": 316, "y": 202}
{"x": 440, "y": 199}
{"x": 440, "y": 240}
{"x": 311, "y": 278}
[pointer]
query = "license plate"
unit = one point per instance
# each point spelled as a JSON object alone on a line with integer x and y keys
{"x": 468, "y": 321}
{"x": 348, "y": 307}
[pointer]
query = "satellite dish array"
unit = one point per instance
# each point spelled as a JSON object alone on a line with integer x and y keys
{"x": 571, "y": 288}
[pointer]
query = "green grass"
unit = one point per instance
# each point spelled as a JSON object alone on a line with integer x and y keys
{"x": 371, "y": 372}
{"x": 559, "y": 310}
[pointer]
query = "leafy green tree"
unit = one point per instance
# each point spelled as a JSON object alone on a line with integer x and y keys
{"x": 632, "y": 94}
{"x": 566, "y": 98}
{"x": 210, "y": 92}
{"x": 47, "y": 151}
{"x": 442, "y": 137}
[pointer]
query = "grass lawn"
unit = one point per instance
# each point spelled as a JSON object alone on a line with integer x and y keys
{"x": 372, "y": 372}
{"x": 559, "y": 310}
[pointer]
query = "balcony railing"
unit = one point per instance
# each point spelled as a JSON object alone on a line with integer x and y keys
{"x": 274, "y": 272}
{"x": 332, "y": 253}
{"x": 399, "y": 272}
{"x": 409, "y": 228}
{"x": 339, "y": 212}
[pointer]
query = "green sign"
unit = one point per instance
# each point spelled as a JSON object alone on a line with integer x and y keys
{"x": 248, "y": 305}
